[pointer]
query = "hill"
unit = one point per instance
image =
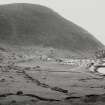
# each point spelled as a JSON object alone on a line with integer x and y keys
{"x": 25, "y": 24}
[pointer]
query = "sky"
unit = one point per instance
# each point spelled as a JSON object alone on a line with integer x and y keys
{"x": 89, "y": 14}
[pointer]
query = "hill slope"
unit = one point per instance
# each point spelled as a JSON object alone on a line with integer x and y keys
{"x": 29, "y": 24}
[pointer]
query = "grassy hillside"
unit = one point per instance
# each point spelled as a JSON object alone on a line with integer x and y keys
{"x": 29, "y": 24}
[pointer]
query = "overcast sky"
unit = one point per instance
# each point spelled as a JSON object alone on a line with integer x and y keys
{"x": 90, "y": 14}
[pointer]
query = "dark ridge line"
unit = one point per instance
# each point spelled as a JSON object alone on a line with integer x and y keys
{"x": 93, "y": 95}
{"x": 50, "y": 99}
{"x": 6, "y": 94}
{"x": 30, "y": 95}
{"x": 88, "y": 98}
{"x": 45, "y": 85}
{"x": 59, "y": 89}
{"x": 68, "y": 98}
{"x": 41, "y": 98}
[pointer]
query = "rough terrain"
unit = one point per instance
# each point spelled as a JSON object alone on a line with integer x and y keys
{"x": 36, "y": 82}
